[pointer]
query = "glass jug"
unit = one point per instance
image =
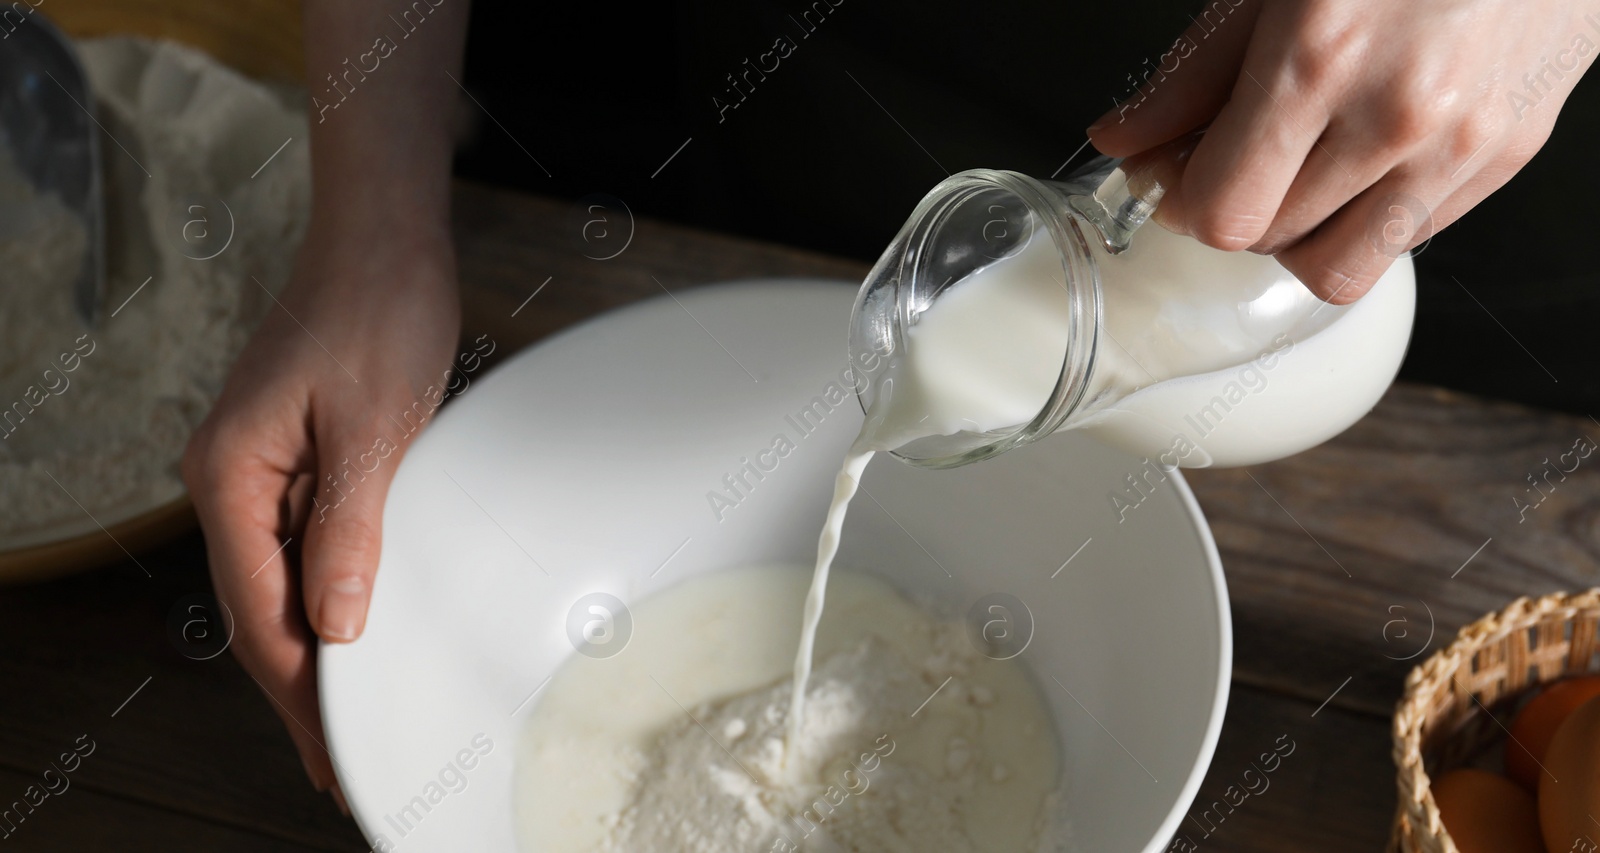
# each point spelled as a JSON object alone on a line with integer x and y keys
{"x": 1153, "y": 342}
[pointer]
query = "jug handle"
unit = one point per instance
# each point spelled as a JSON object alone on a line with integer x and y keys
{"x": 1125, "y": 196}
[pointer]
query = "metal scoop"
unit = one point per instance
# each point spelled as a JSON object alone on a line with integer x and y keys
{"x": 47, "y": 123}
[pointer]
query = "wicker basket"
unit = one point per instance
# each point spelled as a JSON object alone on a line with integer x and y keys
{"x": 1455, "y": 703}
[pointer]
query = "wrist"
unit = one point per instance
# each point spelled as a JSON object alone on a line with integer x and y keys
{"x": 384, "y": 254}
{"x": 399, "y": 219}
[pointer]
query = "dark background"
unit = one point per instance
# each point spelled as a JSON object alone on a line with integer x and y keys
{"x": 603, "y": 94}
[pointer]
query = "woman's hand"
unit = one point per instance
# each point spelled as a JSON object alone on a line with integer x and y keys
{"x": 289, "y": 472}
{"x": 365, "y": 329}
{"x": 1343, "y": 132}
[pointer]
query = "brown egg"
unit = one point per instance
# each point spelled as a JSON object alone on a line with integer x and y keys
{"x": 1487, "y": 813}
{"x": 1536, "y": 724}
{"x": 1569, "y": 794}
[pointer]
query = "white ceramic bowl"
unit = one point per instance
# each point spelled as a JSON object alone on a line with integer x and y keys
{"x": 583, "y": 465}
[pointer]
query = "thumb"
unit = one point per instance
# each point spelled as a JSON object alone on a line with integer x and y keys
{"x": 356, "y": 462}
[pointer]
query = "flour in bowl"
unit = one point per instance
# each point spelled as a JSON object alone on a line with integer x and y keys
{"x": 99, "y": 417}
{"x": 912, "y": 741}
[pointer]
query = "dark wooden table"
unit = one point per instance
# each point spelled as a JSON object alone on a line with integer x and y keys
{"x": 1344, "y": 564}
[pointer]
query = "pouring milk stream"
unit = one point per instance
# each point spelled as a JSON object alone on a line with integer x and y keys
{"x": 1007, "y": 308}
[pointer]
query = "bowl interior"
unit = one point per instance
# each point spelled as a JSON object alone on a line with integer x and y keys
{"x": 586, "y": 464}
{"x": 260, "y": 38}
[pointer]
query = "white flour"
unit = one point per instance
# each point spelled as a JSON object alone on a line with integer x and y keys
{"x": 853, "y": 787}
{"x": 106, "y": 411}
{"x": 912, "y": 742}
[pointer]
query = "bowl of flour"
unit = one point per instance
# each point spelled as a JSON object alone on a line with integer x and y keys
{"x": 207, "y": 187}
{"x": 586, "y": 603}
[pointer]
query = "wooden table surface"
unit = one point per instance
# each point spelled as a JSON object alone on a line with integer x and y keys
{"x": 1344, "y": 564}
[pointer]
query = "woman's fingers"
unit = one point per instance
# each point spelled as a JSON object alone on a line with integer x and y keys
{"x": 241, "y": 502}
{"x": 1334, "y": 173}
{"x": 357, "y": 455}
{"x": 1236, "y": 182}
{"x": 1353, "y": 248}
{"x": 1426, "y": 191}
{"x": 344, "y": 531}
{"x": 1343, "y": 132}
